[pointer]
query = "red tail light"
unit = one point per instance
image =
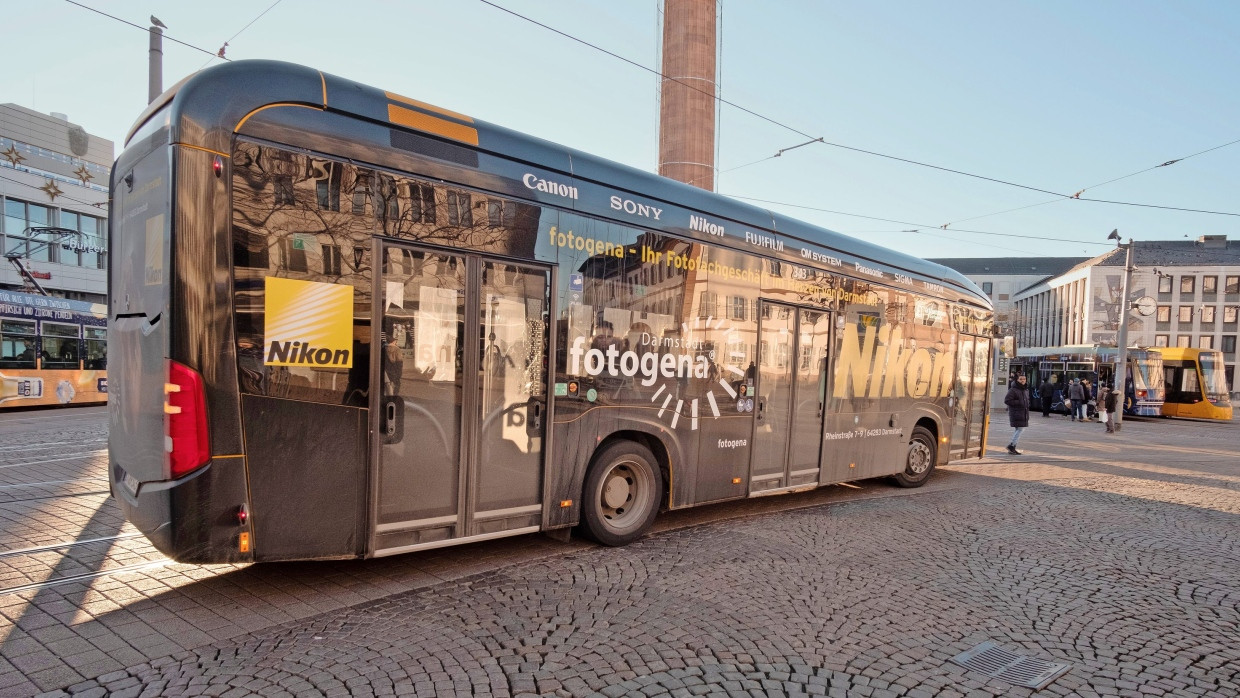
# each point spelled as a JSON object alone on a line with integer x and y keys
{"x": 1140, "y": 393}
{"x": 185, "y": 420}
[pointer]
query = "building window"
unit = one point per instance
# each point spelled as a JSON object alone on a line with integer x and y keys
{"x": 1186, "y": 313}
{"x": 1188, "y": 284}
{"x": 421, "y": 203}
{"x": 1209, "y": 284}
{"x": 331, "y": 260}
{"x": 1233, "y": 285}
{"x": 1230, "y": 312}
{"x": 1207, "y": 314}
{"x": 738, "y": 307}
{"x": 987, "y": 287}
{"x": 293, "y": 254}
{"x": 459, "y": 210}
{"x": 1229, "y": 344}
{"x": 1160, "y": 340}
{"x": 1206, "y": 341}
{"x": 18, "y": 216}
{"x": 1183, "y": 341}
{"x": 708, "y": 305}
{"x": 88, "y": 248}
{"x": 1164, "y": 313}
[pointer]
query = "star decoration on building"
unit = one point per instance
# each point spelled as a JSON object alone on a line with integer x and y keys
{"x": 51, "y": 190}
{"x": 13, "y": 156}
{"x": 82, "y": 174}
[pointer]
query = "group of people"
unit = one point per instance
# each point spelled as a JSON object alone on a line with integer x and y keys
{"x": 1077, "y": 397}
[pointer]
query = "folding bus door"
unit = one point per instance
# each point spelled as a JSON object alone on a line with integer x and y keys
{"x": 461, "y": 417}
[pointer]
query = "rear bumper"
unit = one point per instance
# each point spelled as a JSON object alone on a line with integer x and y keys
{"x": 193, "y": 519}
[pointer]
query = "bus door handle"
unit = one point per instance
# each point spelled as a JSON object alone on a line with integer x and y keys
{"x": 393, "y": 412}
{"x": 761, "y": 408}
{"x": 535, "y": 420}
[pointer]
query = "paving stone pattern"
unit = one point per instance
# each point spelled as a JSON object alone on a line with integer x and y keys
{"x": 867, "y": 598}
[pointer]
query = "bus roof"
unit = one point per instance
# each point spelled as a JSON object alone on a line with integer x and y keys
{"x": 209, "y": 107}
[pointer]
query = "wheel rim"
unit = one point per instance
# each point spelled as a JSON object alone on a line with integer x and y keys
{"x": 918, "y": 457}
{"x": 624, "y": 495}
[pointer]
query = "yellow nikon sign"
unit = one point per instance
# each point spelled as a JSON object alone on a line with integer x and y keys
{"x": 308, "y": 324}
{"x": 880, "y": 365}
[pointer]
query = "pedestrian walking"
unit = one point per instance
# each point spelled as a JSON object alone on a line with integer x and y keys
{"x": 1017, "y": 401}
{"x": 1076, "y": 393}
{"x": 1108, "y": 403}
{"x": 1047, "y": 394}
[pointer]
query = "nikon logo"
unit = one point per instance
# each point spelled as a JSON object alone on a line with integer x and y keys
{"x": 880, "y": 365}
{"x": 305, "y": 354}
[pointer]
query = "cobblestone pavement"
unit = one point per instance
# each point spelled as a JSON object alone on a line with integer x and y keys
{"x": 1119, "y": 556}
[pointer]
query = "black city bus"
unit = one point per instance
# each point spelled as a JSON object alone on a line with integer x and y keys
{"x": 346, "y": 323}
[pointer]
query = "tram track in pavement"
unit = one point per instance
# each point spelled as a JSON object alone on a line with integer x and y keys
{"x": 18, "y": 559}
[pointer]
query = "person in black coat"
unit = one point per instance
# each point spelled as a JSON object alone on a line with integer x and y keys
{"x": 1017, "y": 401}
{"x": 1047, "y": 393}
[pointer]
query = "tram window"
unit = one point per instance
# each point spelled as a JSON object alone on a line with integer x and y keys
{"x": 59, "y": 348}
{"x": 17, "y": 344}
{"x": 96, "y": 344}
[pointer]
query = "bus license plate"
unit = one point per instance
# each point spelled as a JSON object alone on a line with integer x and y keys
{"x": 131, "y": 483}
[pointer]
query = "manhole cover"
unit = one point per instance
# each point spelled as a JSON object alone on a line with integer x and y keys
{"x": 1017, "y": 669}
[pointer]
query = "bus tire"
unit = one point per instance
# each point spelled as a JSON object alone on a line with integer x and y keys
{"x": 919, "y": 459}
{"x": 621, "y": 494}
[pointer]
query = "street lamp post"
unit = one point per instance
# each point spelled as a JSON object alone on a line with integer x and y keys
{"x": 1121, "y": 364}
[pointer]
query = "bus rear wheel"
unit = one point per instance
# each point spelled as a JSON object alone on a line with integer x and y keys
{"x": 919, "y": 459}
{"x": 621, "y": 494}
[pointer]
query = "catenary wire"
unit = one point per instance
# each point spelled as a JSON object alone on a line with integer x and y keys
{"x": 770, "y": 120}
{"x": 220, "y": 53}
{"x": 138, "y": 26}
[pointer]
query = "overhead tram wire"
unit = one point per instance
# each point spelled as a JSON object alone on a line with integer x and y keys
{"x": 918, "y": 227}
{"x": 138, "y": 26}
{"x": 1094, "y": 186}
{"x": 220, "y": 53}
{"x": 836, "y": 145}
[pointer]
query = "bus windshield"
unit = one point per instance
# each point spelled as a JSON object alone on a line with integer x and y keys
{"x": 1215, "y": 382}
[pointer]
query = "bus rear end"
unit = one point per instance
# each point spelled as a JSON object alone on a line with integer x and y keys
{"x": 159, "y": 455}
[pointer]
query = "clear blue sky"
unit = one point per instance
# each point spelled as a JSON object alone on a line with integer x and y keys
{"x": 1053, "y": 94}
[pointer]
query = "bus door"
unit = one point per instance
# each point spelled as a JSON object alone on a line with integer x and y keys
{"x": 791, "y": 393}
{"x": 460, "y": 420}
{"x": 969, "y": 397}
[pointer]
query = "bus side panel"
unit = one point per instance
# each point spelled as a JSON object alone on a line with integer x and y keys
{"x": 307, "y": 464}
{"x": 575, "y": 443}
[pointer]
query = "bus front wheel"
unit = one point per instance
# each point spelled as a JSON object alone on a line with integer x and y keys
{"x": 919, "y": 459}
{"x": 621, "y": 494}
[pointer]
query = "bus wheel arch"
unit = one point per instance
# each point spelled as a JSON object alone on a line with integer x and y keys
{"x": 623, "y": 489}
{"x": 920, "y": 456}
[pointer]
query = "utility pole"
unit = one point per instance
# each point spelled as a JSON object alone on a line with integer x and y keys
{"x": 1121, "y": 366}
{"x": 155, "y": 72}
